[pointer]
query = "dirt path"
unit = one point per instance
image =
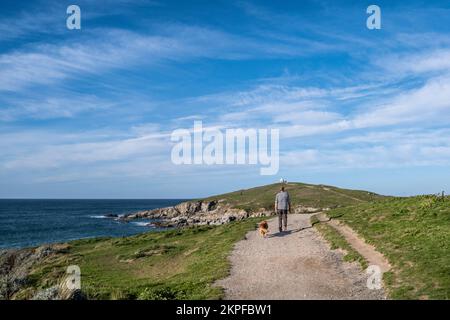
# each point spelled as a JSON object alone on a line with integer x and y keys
{"x": 368, "y": 251}
{"x": 343, "y": 195}
{"x": 339, "y": 193}
{"x": 293, "y": 265}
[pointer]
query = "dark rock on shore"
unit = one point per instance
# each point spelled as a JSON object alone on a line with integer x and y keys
{"x": 111, "y": 215}
{"x": 203, "y": 213}
{"x": 16, "y": 266}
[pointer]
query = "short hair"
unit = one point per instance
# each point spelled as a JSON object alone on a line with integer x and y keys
{"x": 282, "y": 188}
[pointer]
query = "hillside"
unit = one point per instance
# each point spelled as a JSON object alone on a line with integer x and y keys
{"x": 317, "y": 196}
{"x": 254, "y": 202}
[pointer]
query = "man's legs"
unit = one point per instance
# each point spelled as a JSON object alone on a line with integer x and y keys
{"x": 280, "y": 220}
{"x": 285, "y": 219}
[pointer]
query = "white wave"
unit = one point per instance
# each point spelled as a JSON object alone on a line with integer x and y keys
{"x": 141, "y": 224}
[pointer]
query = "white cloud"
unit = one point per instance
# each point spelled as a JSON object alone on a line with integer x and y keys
{"x": 48, "y": 107}
{"x": 53, "y": 156}
{"x": 310, "y": 117}
{"x": 426, "y": 103}
{"x": 425, "y": 61}
{"x": 47, "y": 64}
{"x": 113, "y": 49}
{"x": 379, "y": 156}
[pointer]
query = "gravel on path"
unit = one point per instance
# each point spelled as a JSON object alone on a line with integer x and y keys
{"x": 297, "y": 264}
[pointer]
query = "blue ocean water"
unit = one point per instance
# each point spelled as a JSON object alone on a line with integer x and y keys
{"x": 25, "y": 223}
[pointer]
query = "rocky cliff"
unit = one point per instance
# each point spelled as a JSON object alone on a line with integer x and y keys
{"x": 214, "y": 212}
{"x": 16, "y": 267}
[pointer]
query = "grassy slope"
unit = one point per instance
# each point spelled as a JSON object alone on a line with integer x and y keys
{"x": 319, "y": 196}
{"x": 176, "y": 264}
{"x": 414, "y": 234}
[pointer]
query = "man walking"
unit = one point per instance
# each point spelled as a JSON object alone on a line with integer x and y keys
{"x": 282, "y": 206}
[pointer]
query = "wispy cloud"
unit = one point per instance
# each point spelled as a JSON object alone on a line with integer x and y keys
{"x": 51, "y": 107}
{"x": 71, "y": 151}
{"x": 102, "y": 103}
{"x": 46, "y": 64}
{"x": 389, "y": 148}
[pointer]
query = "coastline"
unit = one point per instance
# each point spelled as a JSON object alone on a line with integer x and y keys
{"x": 17, "y": 264}
{"x": 33, "y": 222}
{"x": 203, "y": 234}
{"x": 207, "y": 212}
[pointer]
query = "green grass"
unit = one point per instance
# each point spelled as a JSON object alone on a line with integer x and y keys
{"x": 414, "y": 234}
{"x": 176, "y": 264}
{"x": 319, "y": 196}
{"x": 337, "y": 241}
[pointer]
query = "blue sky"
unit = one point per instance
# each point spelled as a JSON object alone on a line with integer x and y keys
{"x": 88, "y": 113}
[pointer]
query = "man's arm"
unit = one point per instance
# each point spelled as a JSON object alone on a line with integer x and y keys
{"x": 276, "y": 204}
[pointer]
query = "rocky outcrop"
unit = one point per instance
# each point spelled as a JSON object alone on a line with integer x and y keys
{"x": 16, "y": 266}
{"x": 210, "y": 212}
{"x": 58, "y": 292}
{"x": 191, "y": 213}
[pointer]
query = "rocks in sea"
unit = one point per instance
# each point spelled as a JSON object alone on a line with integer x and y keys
{"x": 111, "y": 215}
{"x": 203, "y": 212}
{"x": 184, "y": 209}
{"x": 157, "y": 224}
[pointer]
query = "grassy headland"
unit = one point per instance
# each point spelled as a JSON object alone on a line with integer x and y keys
{"x": 319, "y": 196}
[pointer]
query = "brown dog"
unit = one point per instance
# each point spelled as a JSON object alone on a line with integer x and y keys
{"x": 263, "y": 228}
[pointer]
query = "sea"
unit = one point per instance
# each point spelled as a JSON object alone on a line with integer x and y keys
{"x": 32, "y": 222}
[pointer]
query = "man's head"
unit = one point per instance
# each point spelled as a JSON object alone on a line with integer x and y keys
{"x": 282, "y": 188}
